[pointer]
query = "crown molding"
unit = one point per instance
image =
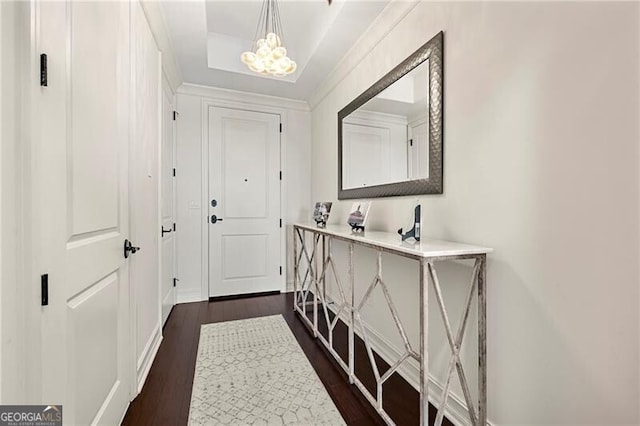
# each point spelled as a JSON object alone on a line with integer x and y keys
{"x": 390, "y": 17}
{"x": 244, "y": 97}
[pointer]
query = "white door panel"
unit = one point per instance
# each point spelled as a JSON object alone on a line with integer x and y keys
{"x": 244, "y": 165}
{"x": 245, "y": 177}
{"x": 253, "y": 247}
{"x": 82, "y": 179}
{"x": 97, "y": 305}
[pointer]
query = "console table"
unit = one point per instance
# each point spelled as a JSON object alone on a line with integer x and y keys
{"x": 314, "y": 257}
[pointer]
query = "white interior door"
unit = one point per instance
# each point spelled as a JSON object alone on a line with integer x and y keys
{"x": 167, "y": 286}
{"x": 244, "y": 169}
{"x": 373, "y": 144}
{"x": 81, "y": 176}
{"x": 145, "y": 193}
{"x": 419, "y": 150}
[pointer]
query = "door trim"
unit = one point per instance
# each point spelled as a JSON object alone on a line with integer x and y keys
{"x": 20, "y": 316}
{"x": 140, "y": 366}
{"x": 250, "y": 107}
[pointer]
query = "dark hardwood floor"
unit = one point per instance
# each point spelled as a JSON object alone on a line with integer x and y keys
{"x": 166, "y": 395}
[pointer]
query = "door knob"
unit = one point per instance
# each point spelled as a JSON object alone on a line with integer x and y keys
{"x": 165, "y": 231}
{"x": 215, "y": 219}
{"x": 129, "y": 248}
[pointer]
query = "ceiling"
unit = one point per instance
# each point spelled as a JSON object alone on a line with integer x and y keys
{"x": 209, "y": 36}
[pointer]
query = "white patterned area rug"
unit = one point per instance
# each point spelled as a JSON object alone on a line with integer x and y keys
{"x": 253, "y": 372}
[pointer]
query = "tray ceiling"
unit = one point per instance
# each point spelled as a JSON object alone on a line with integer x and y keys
{"x": 209, "y": 36}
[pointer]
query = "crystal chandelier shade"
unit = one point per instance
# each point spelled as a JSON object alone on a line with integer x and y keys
{"x": 268, "y": 56}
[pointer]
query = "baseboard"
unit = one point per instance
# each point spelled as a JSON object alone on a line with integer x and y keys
{"x": 167, "y": 305}
{"x": 188, "y": 296}
{"x": 148, "y": 355}
{"x": 456, "y": 408}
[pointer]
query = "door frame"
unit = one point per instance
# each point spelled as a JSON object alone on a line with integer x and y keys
{"x": 208, "y": 102}
{"x": 21, "y": 265}
{"x": 166, "y": 89}
{"x": 153, "y": 345}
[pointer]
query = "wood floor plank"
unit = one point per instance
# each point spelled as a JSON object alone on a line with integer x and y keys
{"x": 166, "y": 395}
{"x": 176, "y": 391}
{"x": 215, "y": 312}
{"x": 186, "y": 383}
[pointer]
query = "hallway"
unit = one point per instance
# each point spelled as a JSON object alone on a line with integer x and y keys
{"x": 426, "y": 177}
{"x": 165, "y": 398}
{"x": 167, "y": 392}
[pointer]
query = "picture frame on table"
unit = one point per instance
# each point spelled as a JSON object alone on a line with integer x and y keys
{"x": 359, "y": 212}
{"x": 321, "y": 213}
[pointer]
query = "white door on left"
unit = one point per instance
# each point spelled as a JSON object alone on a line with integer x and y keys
{"x": 80, "y": 178}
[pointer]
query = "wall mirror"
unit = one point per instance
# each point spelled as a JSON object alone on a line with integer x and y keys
{"x": 390, "y": 137}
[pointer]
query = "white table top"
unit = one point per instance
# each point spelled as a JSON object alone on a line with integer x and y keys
{"x": 426, "y": 247}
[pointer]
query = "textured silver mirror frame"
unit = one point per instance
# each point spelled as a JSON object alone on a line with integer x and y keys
{"x": 432, "y": 50}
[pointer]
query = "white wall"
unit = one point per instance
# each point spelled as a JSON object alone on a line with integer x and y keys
{"x": 155, "y": 19}
{"x": 191, "y": 218}
{"x": 541, "y": 163}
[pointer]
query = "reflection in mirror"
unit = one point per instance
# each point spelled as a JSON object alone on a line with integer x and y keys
{"x": 386, "y": 140}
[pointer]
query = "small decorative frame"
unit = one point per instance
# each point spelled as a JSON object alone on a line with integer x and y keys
{"x": 358, "y": 216}
{"x": 321, "y": 213}
{"x": 432, "y": 51}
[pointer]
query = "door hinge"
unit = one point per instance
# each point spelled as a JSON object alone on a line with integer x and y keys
{"x": 280, "y": 174}
{"x": 174, "y": 227}
{"x": 280, "y": 223}
{"x": 175, "y": 281}
{"x": 43, "y": 70}
{"x": 175, "y": 114}
{"x": 44, "y": 285}
{"x": 281, "y": 270}
{"x": 280, "y": 127}
{"x": 174, "y": 172}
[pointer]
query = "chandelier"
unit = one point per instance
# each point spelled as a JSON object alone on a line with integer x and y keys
{"x": 268, "y": 56}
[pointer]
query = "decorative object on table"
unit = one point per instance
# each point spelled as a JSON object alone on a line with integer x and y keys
{"x": 321, "y": 213}
{"x": 415, "y": 231}
{"x": 358, "y": 216}
{"x": 268, "y": 56}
